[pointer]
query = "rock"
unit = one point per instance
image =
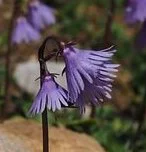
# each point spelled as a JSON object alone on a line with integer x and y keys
{"x": 19, "y": 135}
{"x": 27, "y": 72}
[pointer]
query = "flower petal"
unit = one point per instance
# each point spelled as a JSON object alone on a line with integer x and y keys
{"x": 50, "y": 95}
{"x": 49, "y": 105}
{"x": 62, "y": 99}
{"x": 89, "y": 75}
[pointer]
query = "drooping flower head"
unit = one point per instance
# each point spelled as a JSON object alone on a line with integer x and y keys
{"x": 141, "y": 37}
{"x": 135, "y": 10}
{"x": 89, "y": 74}
{"x": 97, "y": 92}
{"x": 50, "y": 95}
{"x": 24, "y": 32}
{"x": 40, "y": 15}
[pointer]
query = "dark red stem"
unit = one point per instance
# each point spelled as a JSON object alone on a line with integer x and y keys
{"x": 107, "y": 37}
{"x": 43, "y": 71}
{"x": 8, "y": 103}
{"x": 44, "y": 114}
{"x": 109, "y": 22}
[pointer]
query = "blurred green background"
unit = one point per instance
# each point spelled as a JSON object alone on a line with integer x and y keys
{"x": 120, "y": 124}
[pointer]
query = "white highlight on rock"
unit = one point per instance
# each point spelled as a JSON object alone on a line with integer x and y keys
{"x": 27, "y": 72}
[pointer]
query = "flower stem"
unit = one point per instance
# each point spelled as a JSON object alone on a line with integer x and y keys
{"x": 43, "y": 71}
{"x": 44, "y": 114}
{"x": 109, "y": 22}
{"x": 107, "y": 39}
{"x": 7, "y": 103}
{"x": 140, "y": 120}
{"x": 45, "y": 53}
{"x": 45, "y": 131}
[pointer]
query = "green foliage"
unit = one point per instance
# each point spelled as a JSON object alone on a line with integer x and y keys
{"x": 3, "y": 39}
{"x": 108, "y": 128}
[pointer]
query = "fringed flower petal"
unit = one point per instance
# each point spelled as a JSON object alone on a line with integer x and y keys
{"x": 23, "y": 32}
{"x": 40, "y": 15}
{"x": 89, "y": 75}
{"x": 94, "y": 94}
{"x": 50, "y": 95}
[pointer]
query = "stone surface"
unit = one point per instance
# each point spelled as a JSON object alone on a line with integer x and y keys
{"x": 27, "y": 72}
{"x": 19, "y": 135}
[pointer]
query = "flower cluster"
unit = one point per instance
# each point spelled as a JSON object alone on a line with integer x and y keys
{"x": 89, "y": 75}
{"x": 135, "y": 12}
{"x": 27, "y": 28}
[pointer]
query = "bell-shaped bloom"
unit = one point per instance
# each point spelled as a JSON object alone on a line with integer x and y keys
{"x": 50, "y": 95}
{"x": 89, "y": 74}
{"x": 141, "y": 37}
{"x": 40, "y": 15}
{"x": 135, "y": 11}
{"x": 24, "y": 32}
{"x": 95, "y": 93}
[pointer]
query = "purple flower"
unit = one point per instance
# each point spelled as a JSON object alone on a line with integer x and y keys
{"x": 23, "y": 32}
{"x": 50, "y": 95}
{"x": 141, "y": 37}
{"x": 89, "y": 75}
{"x": 135, "y": 11}
{"x": 40, "y": 15}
